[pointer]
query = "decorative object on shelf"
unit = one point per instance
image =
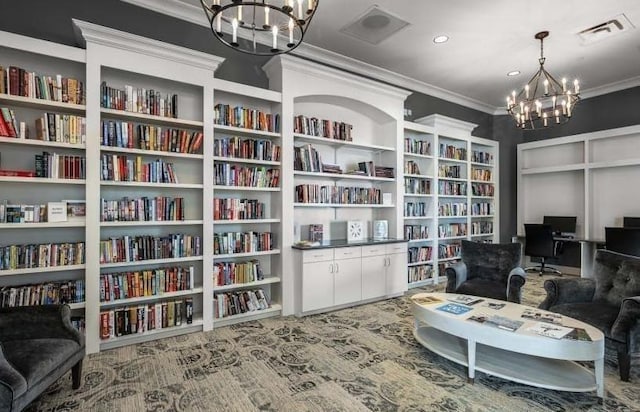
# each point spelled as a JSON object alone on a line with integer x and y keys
{"x": 544, "y": 101}
{"x": 380, "y": 229}
{"x": 355, "y": 230}
{"x": 260, "y": 22}
{"x": 315, "y": 233}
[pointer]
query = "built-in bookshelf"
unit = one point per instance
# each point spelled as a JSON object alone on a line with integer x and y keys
{"x": 461, "y": 170}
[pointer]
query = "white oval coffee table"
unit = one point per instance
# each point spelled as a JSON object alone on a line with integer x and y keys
{"x": 521, "y": 356}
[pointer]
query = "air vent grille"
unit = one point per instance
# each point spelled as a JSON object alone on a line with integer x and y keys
{"x": 605, "y": 30}
{"x": 374, "y": 26}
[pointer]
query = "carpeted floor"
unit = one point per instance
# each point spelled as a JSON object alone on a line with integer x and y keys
{"x": 358, "y": 359}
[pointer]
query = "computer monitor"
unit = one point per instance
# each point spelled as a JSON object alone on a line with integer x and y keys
{"x": 631, "y": 221}
{"x": 561, "y": 225}
{"x": 623, "y": 240}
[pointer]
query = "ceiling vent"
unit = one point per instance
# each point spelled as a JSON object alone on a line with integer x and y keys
{"x": 374, "y": 26}
{"x": 609, "y": 28}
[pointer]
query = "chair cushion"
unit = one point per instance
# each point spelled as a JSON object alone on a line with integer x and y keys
{"x": 489, "y": 261}
{"x": 599, "y": 314}
{"x": 483, "y": 287}
{"x": 34, "y": 359}
{"x": 617, "y": 277}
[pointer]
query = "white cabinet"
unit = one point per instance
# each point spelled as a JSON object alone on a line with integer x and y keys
{"x": 395, "y": 269}
{"x": 383, "y": 270}
{"x": 347, "y": 280}
{"x": 317, "y": 278}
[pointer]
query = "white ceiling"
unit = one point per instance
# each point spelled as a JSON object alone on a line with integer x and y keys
{"x": 487, "y": 40}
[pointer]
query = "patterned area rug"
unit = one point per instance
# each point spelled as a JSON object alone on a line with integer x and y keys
{"x": 358, "y": 359}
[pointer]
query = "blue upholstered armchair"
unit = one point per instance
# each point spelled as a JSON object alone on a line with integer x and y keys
{"x": 610, "y": 301}
{"x": 488, "y": 270}
{"x": 37, "y": 346}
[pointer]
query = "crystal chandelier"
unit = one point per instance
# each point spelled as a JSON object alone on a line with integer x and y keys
{"x": 544, "y": 101}
{"x": 280, "y": 24}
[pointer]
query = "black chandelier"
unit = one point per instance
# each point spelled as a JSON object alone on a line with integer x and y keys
{"x": 544, "y": 101}
{"x": 280, "y": 24}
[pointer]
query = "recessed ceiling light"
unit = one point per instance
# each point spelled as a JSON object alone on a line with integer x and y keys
{"x": 513, "y": 73}
{"x": 440, "y": 39}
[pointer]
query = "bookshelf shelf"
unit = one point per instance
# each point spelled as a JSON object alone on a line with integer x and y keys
{"x": 149, "y": 184}
{"x": 453, "y": 237}
{"x": 421, "y": 283}
{"x": 151, "y": 262}
{"x": 41, "y": 143}
{"x": 153, "y": 223}
{"x": 266, "y": 281}
{"x": 482, "y": 197}
{"x": 490, "y": 182}
{"x": 482, "y": 216}
{"x": 554, "y": 169}
{"x": 343, "y": 205}
{"x": 418, "y": 195}
{"x": 274, "y": 310}
{"x": 245, "y": 221}
{"x": 42, "y": 225}
{"x": 245, "y": 132}
{"x": 481, "y": 164}
{"x": 41, "y": 104}
{"x": 428, "y": 239}
{"x": 418, "y": 176}
{"x": 247, "y": 254}
{"x": 448, "y": 259}
{"x": 195, "y": 326}
{"x": 124, "y": 115}
{"x": 246, "y": 188}
{"x": 481, "y": 234}
{"x": 454, "y": 196}
{"x": 142, "y": 299}
{"x": 453, "y": 179}
{"x": 447, "y": 160}
{"x": 151, "y": 153}
{"x": 76, "y": 306}
{"x": 48, "y": 269}
{"x": 426, "y": 262}
{"x": 247, "y": 161}
{"x": 417, "y": 155}
{"x": 41, "y": 180}
{"x": 341, "y": 143}
{"x": 451, "y": 217}
{"x": 418, "y": 217}
{"x": 343, "y": 176}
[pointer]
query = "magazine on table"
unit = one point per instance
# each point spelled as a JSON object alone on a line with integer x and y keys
{"x": 494, "y": 306}
{"x": 578, "y": 334}
{"x": 542, "y": 316}
{"x": 454, "y": 308}
{"x": 426, "y": 300}
{"x": 465, "y": 300}
{"x": 550, "y": 330}
{"x": 504, "y": 323}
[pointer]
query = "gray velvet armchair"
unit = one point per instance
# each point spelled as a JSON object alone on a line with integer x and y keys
{"x": 38, "y": 345}
{"x": 488, "y": 270}
{"x": 610, "y": 301}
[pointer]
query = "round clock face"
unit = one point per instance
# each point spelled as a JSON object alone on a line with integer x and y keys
{"x": 354, "y": 230}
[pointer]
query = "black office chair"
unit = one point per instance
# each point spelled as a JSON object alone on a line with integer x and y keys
{"x": 539, "y": 243}
{"x": 623, "y": 240}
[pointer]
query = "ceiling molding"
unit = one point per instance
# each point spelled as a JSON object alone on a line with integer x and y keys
{"x": 439, "y": 121}
{"x": 195, "y": 15}
{"x": 611, "y": 88}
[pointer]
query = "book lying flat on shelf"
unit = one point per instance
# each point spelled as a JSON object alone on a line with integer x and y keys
{"x": 426, "y": 300}
{"x": 541, "y": 316}
{"x": 454, "y": 308}
{"x": 549, "y": 330}
{"x": 465, "y": 300}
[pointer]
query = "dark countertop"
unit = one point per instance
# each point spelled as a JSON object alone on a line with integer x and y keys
{"x": 343, "y": 243}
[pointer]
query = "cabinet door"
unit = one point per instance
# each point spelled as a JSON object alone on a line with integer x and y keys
{"x": 348, "y": 281}
{"x": 396, "y": 273}
{"x": 317, "y": 285}
{"x": 373, "y": 277}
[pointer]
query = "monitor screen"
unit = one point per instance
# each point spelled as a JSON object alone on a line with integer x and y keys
{"x": 623, "y": 240}
{"x": 631, "y": 221}
{"x": 561, "y": 224}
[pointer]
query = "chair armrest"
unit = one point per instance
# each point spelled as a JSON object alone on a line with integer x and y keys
{"x": 515, "y": 282}
{"x": 626, "y": 328}
{"x": 12, "y": 383}
{"x": 38, "y": 322}
{"x": 456, "y": 276}
{"x": 565, "y": 290}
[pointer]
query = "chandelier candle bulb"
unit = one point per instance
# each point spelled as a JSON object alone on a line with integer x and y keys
{"x": 310, "y": 7}
{"x": 240, "y": 14}
{"x": 234, "y": 37}
{"x": 544, "y": 119}
{"x": 564, "y": 85}
{"x": 576, "y": 86}
{"x": 300, "y": 15}
{"x": 553, "y": 101}
{"x": 564, "y": 107}
{"x": 266, "y": 17}
{"x": 526, "y": 90}
{"x": 275, "y": 37}
{"x": 290, "y": 31}
{"x": 219, "y": 24}
{"x": 546, "y": 86}
{"x": 557, "y": 113}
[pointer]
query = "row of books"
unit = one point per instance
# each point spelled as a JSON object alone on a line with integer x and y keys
{"x": 415, "y": 209}
{"x": 419, "y": 254}
{"x": 369, "y": 169}
{"x": 238, "y": 209}
{"x": 411, "y": 168}
{"x": 22, "y": 213}
{"x": 482, "y": 209}
{"x": 447, "y": 251}
{"x": 415, "y": 146}
{"x": 54, "y": 165}
{"x": 62, "y": 128}
{"x": 337, "y": 195}
{"x": 482, "y": 189}
{"x": 50, "y": 293}
{"x": 322, "y": 128}
{"x": 17, "y": 81}
{"x": 245, "y": 118}
{"x": 117, "y": 168}
{"x": 481, "y": 174}
{"x": 242, "y": 242}
{"x": 140, "y": 283}
{"x": 142, "y": 318}
{"x": 449, "y": 188}
{"x": 412, "y": 232}
{"x": 449, "y": 171}
{"x": 481, "y": 228}
{"x": 232, "y": 273}
{"x": 235, "y": 303}
{"x": 417, "y": 186}
{"x": 243, "y": 148}
{"x": 139, "y": 100}
{"x": 41, "y": 255}
{"x": 452, "y": 152}
{"x": 137, "y": 248}
{"x": 452, "y": 209}
{"x": 147, "y": 137}
{"x": 143, "y": 209}
{"x": 307, "y": 159}
{"x": 452, "y": 230}
{"x": 419, "y": 273}
{"x": 245, "y": 176}
{"x": 8, "y": 123}
{"x": 478, "y": 156}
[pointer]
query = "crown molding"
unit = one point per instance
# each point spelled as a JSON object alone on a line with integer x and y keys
{"x": 93, "y": 33}
{"x": 439, "y": 121}
{"x": 611, "y": 87}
